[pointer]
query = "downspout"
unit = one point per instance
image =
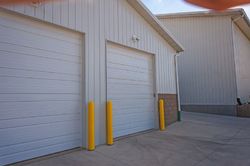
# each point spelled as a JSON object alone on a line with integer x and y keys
{"x": 177, "y": 87}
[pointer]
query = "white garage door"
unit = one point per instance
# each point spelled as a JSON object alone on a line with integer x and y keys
{"x": 130, "y": 85}
{"x": 40, "y": 73}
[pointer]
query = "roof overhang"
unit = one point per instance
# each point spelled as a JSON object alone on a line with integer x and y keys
{"x": 156, "y": 24}
{"x": 242, "y": 21}
{"x": 238, "y": 16}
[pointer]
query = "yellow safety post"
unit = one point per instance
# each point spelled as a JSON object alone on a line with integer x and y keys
{"x": 91, "y": 126}
{"x": 162, "y": 115}
{"x": 109, "y": 121}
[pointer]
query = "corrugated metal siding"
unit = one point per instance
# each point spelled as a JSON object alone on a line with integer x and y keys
{"x": 206, "y": 68}
{"x": 100, "y": 20}
{"x": 242, "y": 60}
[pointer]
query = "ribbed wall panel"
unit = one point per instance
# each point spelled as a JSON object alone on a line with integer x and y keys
{"x": 242, "y": 60}
{"x": 206, "y": 68}
{"x": 102, "y": 20}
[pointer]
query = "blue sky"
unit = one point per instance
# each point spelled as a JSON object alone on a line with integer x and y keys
{"x": 173, "y": 6}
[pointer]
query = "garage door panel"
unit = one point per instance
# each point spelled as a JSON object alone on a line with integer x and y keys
{"x": 25, "y": 98}
{"x": 119, "y": 104}
{"x": 16, "y": 37}
{"x": 128, "y": 61}
{"x": 131, "y": 71}
{"x": 134, "y": 119}
{"x": 122, "y": 127}
{"x": 136, "y": 111}
{"x": 12, "y": 60}
{"x": 139, "y": 97}
{"x": 39, "y": 152}
{"x": 29, "y": 51}
{"x": 20, "y": 148}
{"x": 132, "y": 103}
{"x": 128, "y": 68}
{"x": 128, "y": 82}
{"x": 143, "y": 126}
{"x": 127, "y": 127}
{"x": 37, "y": 132}
{"x": 4, "y": 72}
{"x": 132, "y": 53}
{"x": 131, "y": 119}
{"x": 146, "y": 117}
{"x": 131, "y": 65}
{"x": 37, "y": 120}
{"x": 10, "y": 110}
{"x": 27, "y": 85}
{"x": 131, "y": 88}
{"x": 127, "y": 75}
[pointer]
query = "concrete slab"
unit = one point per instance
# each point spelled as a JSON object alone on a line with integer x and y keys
{"x": 200, "y": 140}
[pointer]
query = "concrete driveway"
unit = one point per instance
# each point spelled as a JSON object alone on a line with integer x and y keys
{"x": 199, "y": 140}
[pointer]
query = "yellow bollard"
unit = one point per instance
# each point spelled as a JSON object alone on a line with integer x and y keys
{"x": 109, "y": 121}
{"x": 162, "y": 115}
{"x": 91, "y": 126}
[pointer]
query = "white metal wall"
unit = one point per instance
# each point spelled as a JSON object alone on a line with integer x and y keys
{"x": 100, "y": 20}
{"x": 206, "y": 68}
{"x": 242, "y": 60}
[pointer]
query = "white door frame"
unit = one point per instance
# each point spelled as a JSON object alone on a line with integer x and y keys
{"x": 109, "y": 42}
{"x": 83, "y": 118}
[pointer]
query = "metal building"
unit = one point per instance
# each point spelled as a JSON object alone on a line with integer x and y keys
{"x": 214, "y": 70}
{"x": 57, "y": 56}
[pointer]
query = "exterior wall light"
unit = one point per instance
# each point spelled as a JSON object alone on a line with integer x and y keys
{"x": 135, "y": 38}
{"x": 36, "y": 3}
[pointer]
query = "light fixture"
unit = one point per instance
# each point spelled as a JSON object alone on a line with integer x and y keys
{"x": 135, "y": 38}
{"x": 36, "y": 3}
